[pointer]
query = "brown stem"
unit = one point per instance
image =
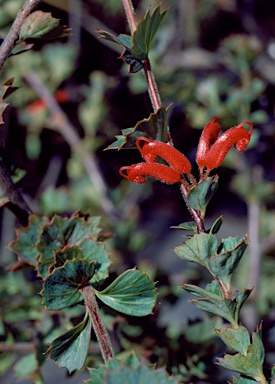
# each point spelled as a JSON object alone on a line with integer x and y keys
{"x": 98, "y": 325}
{"x": 18, "y": 347}
{"x": 67, "y": 130}
{"x": 195, "y": 214}
{"x": 14, "y": 32}
{"x": 152, "y": 86}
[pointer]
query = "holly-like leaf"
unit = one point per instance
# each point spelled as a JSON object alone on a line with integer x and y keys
{"x": 250, "y": 365}
{"x": 132, "y": 293}
{"x": 26, "y": 238}
{"x": 58, "y": 234}
{"x": 138, "y": 375}
{"x": 97, "y": 374}
{"x": 198, "y": 249}
{"x": 71, "y": 348}
{"x": 238, "y": 339}
{"x": 145, "y": 33}
{"x": 155, "y": 128}
{"x": 3, "y": 90}
{"x": 223, "y": 264}
{"x": 42, "y": 25}
{"x": 62, "y": 287}
{"x": 201, "y": 194}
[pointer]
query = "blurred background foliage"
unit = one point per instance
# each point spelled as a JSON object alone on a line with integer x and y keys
{"x": 210, "y": 58}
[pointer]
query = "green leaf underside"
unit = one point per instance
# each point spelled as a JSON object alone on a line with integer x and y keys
{"x": 223, "y": 264}
{"x": 132, "y": 293}
{"x": 154, "y": 127}
{"x": 237, "y": 339}
{"x": 42, "y": 25}
{"x": 200, "y": 195}
{"x": 138, "y": 375}
{"x": 251, "y": 364}
{"x": 97, "y": 374}
{"x": 187, "y": 226}
{"x": 198, "y": 249}
{"x": 61, "y": 287}
{"x": 26, "y": 238}
{"x": 146, "y": 30}
{"x": 71, "y": 348}
{"x": 3, "y": 90}
{"x": 213, "y": 303}
{"x": 58, "y": 234}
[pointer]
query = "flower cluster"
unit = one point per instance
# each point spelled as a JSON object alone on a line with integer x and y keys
{"x": 211, "y": 152}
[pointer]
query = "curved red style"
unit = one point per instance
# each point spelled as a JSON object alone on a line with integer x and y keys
{"x": 150, "y": 149}
{"x": 138, "y": 172}
{"x": 236, "y": 136}
{"x": 208, "y": 137}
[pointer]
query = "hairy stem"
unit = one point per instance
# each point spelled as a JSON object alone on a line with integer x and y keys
{"x": 14, "y": 32}
{"x": 98, "y": 325}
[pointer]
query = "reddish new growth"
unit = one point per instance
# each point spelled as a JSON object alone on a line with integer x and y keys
{"x": 212, "y": 157}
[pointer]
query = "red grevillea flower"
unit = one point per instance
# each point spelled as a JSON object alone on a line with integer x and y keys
{"x": 150, "y": 149}
{"x": 138, "y": 173}
{"x": 236, "y": 136}
{"x": 209, "y": 135}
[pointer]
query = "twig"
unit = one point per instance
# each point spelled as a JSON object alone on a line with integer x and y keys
{"x": 98, "y": 325}
{"x": 13, "y": 34}
{"x": 67, "y": 130}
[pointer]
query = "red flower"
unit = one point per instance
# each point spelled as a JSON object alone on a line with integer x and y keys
{"x": 213, "y": 157}
{"x": 151, "y": 149}
{"x": 138, "y": 173}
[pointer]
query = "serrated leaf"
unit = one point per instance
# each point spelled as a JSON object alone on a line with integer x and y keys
{"x": 26, "y": 238}
{"x": 145, "y": 33}
{"x": 200, "y": 195}
{"x": 61, "y": 288}
{"x": 97, "y": 374}
{"x": 238, "y": 339}
{"x": 42, "y": 25}
{"x": 132, "y": 293}
{"x": 58, "y": 234}
{"x": 71, "y": 348}
{"x": 3, "y": 90}
{"x": 250, "y": 365}
{"x": 223, "y": 264}
{"x": 187, "y": 226}
{"x": 155, "y": 128}
{"x": 138, "y": 375}
{"x": 216, "y": 226}
{"x": 198, "y": 249}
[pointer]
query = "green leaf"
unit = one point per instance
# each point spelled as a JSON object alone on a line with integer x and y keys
{"x": 132, "y": 293}
{"x": 71, "y": 348}
{"x": 198, "y": 249}
{"x": 26, "y": 238}
{"x": 155, "y": 128}
{"x": 61, "y": 287}
{"x": 223, "y": 264}
{"x": 97, "y": 375}
{"x": 216, "y": 226}
{"x": 3, "y": 90}
{"x": 250, "y": 365}
{"x": 146, "y": 30}
{"x": 20, "y": 48}
{"x": 26, "y": 367}
{"x": 122, "y": 39}
{"x": 212, "y": 303}
{"x": 200, "y": 195}
{"x": 42, "y": 25}
{"x": 240, "y": 298}
{"x": 243, "y": 380}
{"x": 187, "y": 226}
{"x": 138, "y": 375}
{"x": 58, "y": 234}
{"x": 237, "y": 339}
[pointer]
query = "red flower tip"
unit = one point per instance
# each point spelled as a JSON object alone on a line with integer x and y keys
{"x": 151, "y": 149}
{"x": 138, "y": 172}
{"x": 208, "y": 137}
